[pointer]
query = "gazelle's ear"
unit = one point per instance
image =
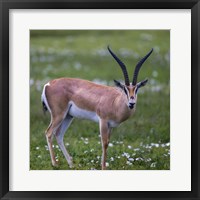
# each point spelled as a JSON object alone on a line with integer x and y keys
{"x": 142, "y": 83}
{"x": 118, "y": 84}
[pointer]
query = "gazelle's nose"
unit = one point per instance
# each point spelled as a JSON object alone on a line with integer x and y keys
{"x": 132, "y": 97}
{"x": 131, "y": 105}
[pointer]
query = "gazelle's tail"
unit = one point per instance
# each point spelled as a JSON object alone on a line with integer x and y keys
{"x": 45, "y": 104}
{"x": 44, "y": 107}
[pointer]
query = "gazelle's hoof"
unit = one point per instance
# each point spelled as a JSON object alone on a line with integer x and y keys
{"x": 70, "y": 162}
{"x": 71, "y": 165}
{"x": 55, "y": 164}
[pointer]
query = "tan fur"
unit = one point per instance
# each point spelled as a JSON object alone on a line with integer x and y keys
{"x": 131, "y": 90}
{"x": 107, "y": 102}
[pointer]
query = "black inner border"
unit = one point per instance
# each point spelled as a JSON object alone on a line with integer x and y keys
{"x": 5, "y": 5}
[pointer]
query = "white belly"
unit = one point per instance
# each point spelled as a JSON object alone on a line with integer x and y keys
{"x": 80, "y": 113}
{"x": 77, "y": 112}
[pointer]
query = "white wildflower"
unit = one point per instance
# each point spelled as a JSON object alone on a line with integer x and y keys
{"x": 155, "y": 145}
{"x": 126, "y": 155}
{"x": 128, "y": 163}
{"x": 139, "y": 159}
{"x": 147, "y": 146}
{"x": 148, "y": 159}
{"x": 111, "y": 159}
{"x": 47, "y": 148}
{"x": 110, "y": 145}
{"x": 153, "y": 164}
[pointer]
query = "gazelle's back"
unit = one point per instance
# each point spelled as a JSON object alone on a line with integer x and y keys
{"x": 83, "y": 93}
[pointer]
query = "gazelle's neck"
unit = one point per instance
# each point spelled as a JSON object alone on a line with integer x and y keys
{"x": 122, "y": 109}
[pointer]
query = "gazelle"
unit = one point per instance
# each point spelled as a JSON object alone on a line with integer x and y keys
{"x": 66, "y": 98}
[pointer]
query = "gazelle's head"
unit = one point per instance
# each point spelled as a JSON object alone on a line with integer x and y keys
{"x": 130, "y": 89}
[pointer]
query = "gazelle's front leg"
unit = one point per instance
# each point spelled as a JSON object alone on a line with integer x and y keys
{"x": 105, "y": 131}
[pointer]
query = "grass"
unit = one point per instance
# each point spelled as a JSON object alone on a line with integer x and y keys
{"x": 140, "y": 143}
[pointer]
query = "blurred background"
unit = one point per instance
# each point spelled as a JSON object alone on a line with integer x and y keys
{"x": 140, "y": 143}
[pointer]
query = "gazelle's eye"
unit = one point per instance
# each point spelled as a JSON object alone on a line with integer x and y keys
{"x": 125, "y": 91}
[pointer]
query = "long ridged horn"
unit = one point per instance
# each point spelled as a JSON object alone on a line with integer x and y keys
{"x": 138, "y": 66}
{"x": 122, "y": 65}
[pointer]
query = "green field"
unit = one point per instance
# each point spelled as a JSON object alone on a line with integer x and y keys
{"x": 140, "y": 143}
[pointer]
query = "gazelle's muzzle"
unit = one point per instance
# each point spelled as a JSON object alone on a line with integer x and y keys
{"x": 131, "y": 102}
{"x": 131, "y": 105}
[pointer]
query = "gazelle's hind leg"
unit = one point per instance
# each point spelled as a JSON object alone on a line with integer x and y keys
{"x": 105, "y": 132}
{"x": 54, "y": 125}
{"x": 60, "y": 135}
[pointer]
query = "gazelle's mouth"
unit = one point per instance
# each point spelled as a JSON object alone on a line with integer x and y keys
{"x": 131, "y": 105}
